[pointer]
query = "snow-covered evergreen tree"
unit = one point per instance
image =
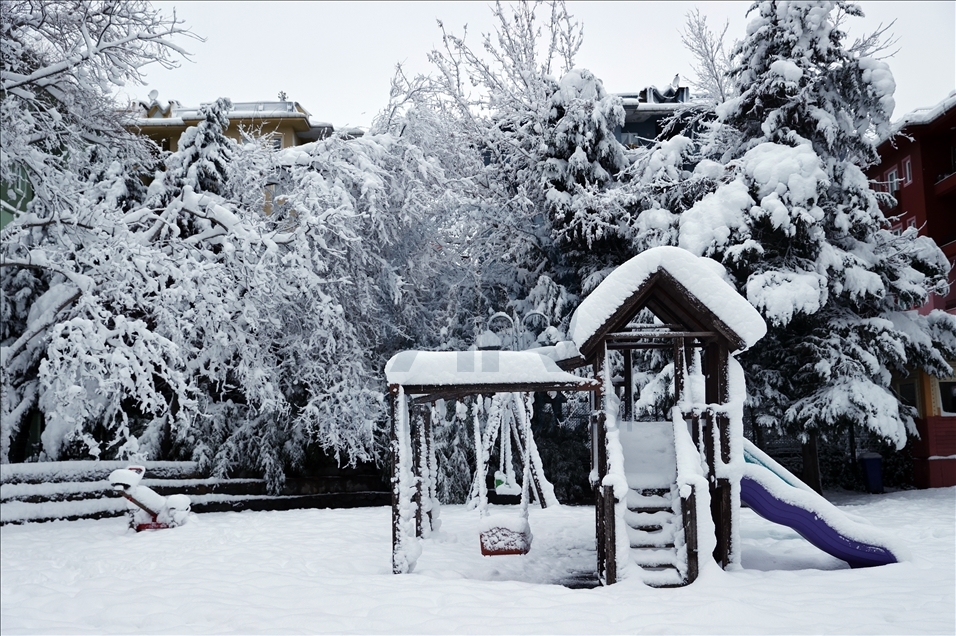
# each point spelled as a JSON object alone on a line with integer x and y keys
{"x": 580, "y": 162}
{"x": 793, "y": 219}
{"x": 202, "y": 159}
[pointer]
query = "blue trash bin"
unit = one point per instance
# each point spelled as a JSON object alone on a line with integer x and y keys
{"x": 872, "y": 465}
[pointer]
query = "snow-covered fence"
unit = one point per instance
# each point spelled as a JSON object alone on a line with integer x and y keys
{"x": 40, "y": 472}
{"x": 48, "y": 491}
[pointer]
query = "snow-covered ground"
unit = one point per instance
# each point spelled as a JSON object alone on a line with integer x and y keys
{"x": 328, "y": 571}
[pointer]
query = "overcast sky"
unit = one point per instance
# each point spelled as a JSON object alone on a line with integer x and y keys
{"x": 336, "y": 59}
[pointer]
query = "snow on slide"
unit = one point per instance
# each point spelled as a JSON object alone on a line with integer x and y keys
{"x": 776, "y": 495}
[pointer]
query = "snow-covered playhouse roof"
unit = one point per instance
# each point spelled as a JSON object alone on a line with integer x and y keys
{"x": 461, "y": 372}
{"x": 679, "y": 288}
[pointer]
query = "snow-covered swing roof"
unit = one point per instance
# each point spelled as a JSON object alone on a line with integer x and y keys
{"x": 679, "y": 288}
{"x": 446, "y": 374}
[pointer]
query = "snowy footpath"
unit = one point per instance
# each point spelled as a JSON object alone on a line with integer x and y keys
{"x": 328, "y": 571}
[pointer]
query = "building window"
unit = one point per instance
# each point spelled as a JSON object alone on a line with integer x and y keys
{"x": 911, "y": 223}
{"x": 947, "y": 397}
{"x": 907, "y": 171}
{"x": 893, "y": 180}
{"x": 277, "y": 141}
{"x": 907, "y": 393}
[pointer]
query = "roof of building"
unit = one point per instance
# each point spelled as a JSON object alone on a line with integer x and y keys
{"x": 926, "y": 115}
{"x": 153, "y": 112}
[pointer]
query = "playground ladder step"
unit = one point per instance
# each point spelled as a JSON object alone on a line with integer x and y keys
{"x": 652, "y": 509}
{"x": 663, "y": 576}
{"x": 643, "y": 501}
{"x": 654, "y": 492}
{"x": 654, "y": 557}
{"x": 643, "y": 519}
{"x": 642, "y": 538}
{"x": 653, "y": 520}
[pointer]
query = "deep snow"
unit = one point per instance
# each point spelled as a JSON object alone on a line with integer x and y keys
{"x": 328, "y": 571}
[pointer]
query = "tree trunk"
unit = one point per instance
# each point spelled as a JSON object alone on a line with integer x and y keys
{"x": 811, "y": 463}
{"x": 757, "y": 432}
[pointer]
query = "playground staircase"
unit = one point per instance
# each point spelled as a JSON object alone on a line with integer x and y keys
{"x": 652, "y": 529}
{"x": 653, "y": 519}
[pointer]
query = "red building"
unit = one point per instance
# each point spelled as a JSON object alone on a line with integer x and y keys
{"x": 918, "y": 166}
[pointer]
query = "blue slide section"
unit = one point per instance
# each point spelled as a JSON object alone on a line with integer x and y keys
{"x": 812, "y": 516}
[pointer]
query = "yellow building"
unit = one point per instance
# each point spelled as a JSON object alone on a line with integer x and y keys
{"x": 288, "y": 123}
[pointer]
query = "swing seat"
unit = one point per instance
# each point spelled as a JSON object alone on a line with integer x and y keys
{"x": 505, "y": 534}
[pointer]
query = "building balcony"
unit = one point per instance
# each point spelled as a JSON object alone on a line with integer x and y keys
{"x": 946, "y": 185}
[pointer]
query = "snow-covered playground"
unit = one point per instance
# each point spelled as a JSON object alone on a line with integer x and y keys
{"x": 329, "y": 571}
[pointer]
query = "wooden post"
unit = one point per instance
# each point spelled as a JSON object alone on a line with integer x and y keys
{"x": 610, "y": 538}
{"x": 689, "y": 517}
{"x": 415, "y": 436}
{"x": 432, "y": 467}
{"x": 607, "y": 564}
{"x": 724, "y": 514}
{"x": 396, "y": 489}
{"x": 598, "y": 462}
{"x": 716, "y": 391}
{"x": 628, "y": 386}
{"x": 678, "y": 369}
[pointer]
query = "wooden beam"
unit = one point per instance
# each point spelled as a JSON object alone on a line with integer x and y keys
{"x": 638, "y": 346}
{"x": 431, "y": 393}
{"x": 632, "y": 336}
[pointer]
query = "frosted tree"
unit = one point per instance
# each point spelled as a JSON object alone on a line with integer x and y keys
{"x": 527, "y": 144}
{"x": 69, "y": 171}
{"x": 711, "y": 64}
{"x": 801, "y": 234}
{"x": 499, "y": 99}
{"x": 193, "y": 321}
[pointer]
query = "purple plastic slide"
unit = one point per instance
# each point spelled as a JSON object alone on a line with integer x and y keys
{"x": 806, "y": 521}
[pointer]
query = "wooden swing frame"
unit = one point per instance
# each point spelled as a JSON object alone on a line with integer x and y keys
{"x": 420, "y": 401}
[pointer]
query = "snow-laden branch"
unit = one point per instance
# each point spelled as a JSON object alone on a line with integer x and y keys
{"x": 10, "y": 80}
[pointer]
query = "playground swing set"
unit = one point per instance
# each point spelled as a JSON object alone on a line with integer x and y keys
{"x": 656, "y": 482}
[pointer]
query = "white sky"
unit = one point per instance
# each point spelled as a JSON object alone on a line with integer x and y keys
{"x": 336, "y": 59}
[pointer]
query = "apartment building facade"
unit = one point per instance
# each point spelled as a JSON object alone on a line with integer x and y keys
{"x": 918, "y": 167}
